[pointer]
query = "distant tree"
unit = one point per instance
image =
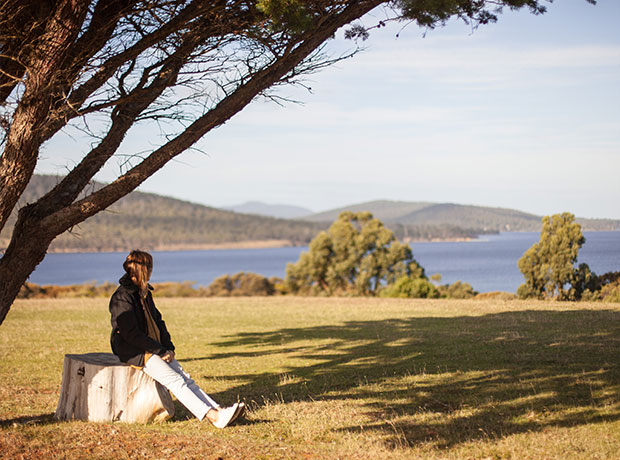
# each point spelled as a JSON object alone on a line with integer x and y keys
{"x": 105, "y": 66}
{"x": 549, "y": 265}
{"x": 356, "y": 255}
{"x": 609, "y": 287}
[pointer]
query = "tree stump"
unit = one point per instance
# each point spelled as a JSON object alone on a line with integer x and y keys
{"x": 97, "y": 387}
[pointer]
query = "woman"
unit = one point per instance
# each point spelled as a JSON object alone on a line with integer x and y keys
{"x": 140, "y": 338}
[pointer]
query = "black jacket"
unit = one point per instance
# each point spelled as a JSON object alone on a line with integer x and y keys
{"x": 129, "y": 338}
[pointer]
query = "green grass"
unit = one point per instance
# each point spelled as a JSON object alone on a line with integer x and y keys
{"x": 338, "y": 379}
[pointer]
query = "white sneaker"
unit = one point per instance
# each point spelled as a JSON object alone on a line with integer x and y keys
{"x": 225, "y": 416}
{"x": 240, "y": 410}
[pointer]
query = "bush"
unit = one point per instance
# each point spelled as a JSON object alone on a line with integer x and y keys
{"x": 456, "y": 290}
{"x": 407, "y": 287}
{"x": 241, "y": 284}
{"x": 496, "y": 295}
{"x": 35, "y": 291}
{"x": 610, "y": 287}
{"x": 174, "y": 289}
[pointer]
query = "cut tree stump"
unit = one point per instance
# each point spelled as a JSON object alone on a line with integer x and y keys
{"x": 99, "y": 388}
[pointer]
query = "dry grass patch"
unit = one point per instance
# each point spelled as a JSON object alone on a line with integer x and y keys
{"x": 338, "y": 378}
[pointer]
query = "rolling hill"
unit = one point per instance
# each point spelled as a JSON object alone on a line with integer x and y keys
{"x": 478, "y": 218}
{"x": 281, "y": 211}
{"x": 154, "y": 222}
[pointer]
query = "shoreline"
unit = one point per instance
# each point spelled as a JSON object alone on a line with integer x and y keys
{"x": 259, "y": 244}
{"x": 256, "y": 244}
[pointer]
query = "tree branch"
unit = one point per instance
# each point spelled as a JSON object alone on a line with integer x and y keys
{"x": 224, "y": 110}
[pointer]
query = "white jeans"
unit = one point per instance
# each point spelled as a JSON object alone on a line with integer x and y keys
{"x": 181, "y": 385}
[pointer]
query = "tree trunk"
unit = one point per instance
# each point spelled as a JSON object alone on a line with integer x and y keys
{"x": 26, "y": 250}
{"x": 38, "y": 224}
{"x": 97, "y": 387}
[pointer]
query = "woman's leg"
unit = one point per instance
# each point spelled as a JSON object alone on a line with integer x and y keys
{"x": 176, "y": 382}
{"x": 192, "y": 385}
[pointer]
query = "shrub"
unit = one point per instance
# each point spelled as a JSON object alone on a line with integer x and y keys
{"x": 174, "y": 289}
{"x": 35, "y": 291}
{"x": 496, "y": 295}
{"x": 241, "y": 284}
{"x": 407, "y": 287}
{"x": 457, "y": 290}
{"x": 609, "y": 287}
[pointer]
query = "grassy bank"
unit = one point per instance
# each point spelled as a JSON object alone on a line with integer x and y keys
{"x": 338, "y": 378}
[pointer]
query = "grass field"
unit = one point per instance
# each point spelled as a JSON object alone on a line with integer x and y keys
{"x": 337, "y": 379}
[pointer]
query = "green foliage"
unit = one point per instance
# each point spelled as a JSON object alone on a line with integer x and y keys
{"x": 414, "y": 288}
{"x": 548, "y": 266}
{"x": 241, "y": 284}
{"x": 292, "y": 16}
{"x": 610, "y": 287}
{"x": 436, "y": 278}
{"x": 430, "y": 13}
{"x": 605, "y": 288}
{"x": 421, "y": 288}
{"x": 355, "y": 256}
{"x": 457, "y": 290}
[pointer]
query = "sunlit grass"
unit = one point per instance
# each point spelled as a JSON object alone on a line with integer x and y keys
{"x": 338, "y": 378}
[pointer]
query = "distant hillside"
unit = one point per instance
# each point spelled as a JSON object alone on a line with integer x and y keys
{"x": 475, "y": 218}
{"x": 383, "y": 210}
{"x": 282, "y": 211}
{"x": 154, "y": 222}
{"x": 149, "y": 221}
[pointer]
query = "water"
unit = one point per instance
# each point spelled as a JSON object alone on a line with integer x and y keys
{"x": 488, "y": 264}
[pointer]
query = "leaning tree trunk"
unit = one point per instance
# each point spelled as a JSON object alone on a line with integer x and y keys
{"x": 26, "y": 250}
{"x": 97, "y": 387}
{"x": 38, "y": 225}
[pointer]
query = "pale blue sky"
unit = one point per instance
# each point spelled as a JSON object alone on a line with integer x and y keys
{"x": 521, "y": 114}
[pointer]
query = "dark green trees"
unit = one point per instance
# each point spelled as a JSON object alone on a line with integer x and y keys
{"x": 357, "y": 255}
{"x": 549, "y": 265}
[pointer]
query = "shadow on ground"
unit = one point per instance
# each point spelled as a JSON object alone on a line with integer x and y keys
{"x": 43, "y": 419}
{"x": 449, "y": 380}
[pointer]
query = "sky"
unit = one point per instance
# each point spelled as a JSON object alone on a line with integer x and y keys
{"x": 521, "y": 114}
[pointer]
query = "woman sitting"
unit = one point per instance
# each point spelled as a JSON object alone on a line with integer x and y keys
{"x": 140, "y": 338}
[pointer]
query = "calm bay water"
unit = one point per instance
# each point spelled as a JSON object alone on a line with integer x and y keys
{"x": 488, "y": 264}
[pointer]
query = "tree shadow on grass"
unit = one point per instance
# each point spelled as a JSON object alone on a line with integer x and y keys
{"x": 450, "y": 380}
{"x": 43, "y": 419}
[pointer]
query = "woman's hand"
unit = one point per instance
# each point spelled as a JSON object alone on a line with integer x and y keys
{"x": 168, "y": 356}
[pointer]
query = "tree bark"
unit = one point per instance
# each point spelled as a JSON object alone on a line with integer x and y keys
{"x": 23, "y": 141}
{"x": 97, "y": 387}
{"x": 38, "y": 224}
